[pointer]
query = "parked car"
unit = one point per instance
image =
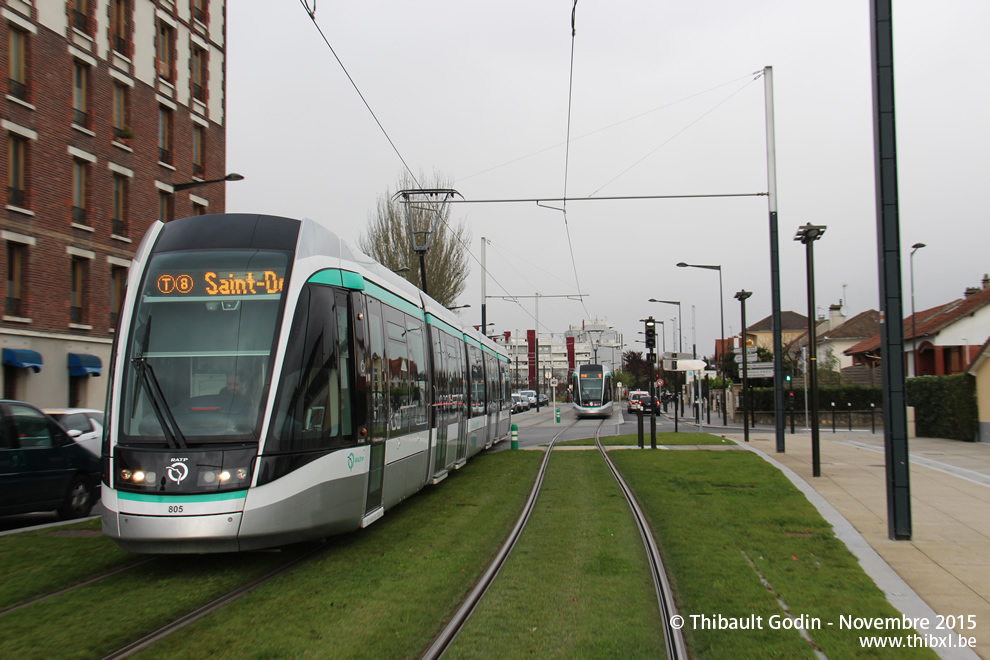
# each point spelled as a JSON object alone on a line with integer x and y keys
{"x": 85, "y": 425}
{"x": 544, "y": 401}
{"x": 531, "y": 395}
{"x": 41, "y": 467}
{"x": 519, "y": 403}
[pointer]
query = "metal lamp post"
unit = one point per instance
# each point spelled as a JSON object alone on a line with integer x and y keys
{"x": 914, "y": 319}
{"x": 741, "y": 297}
{"x": 808, "y": 234}
{"x": 233, "y": 176}
{"x": 721, "y": 311}
{"x": 677, "y": 400}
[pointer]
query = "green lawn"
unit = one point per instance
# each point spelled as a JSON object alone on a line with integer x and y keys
{"x": 577, "y": 584}
{"x": 710, "y": 511}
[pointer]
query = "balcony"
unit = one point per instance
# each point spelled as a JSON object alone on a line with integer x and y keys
{"x": 199, "y": 170}
{"x": 13, "y": 307}
{"x": 75, "y": 314}
{"x": 79, "y": 215}
{"x": 119, "y": 227}
{"x": 16, "y": 197}
{"x": 120, "y": 45}
{"x": 79, "y": 20}
{"x": 164, "y": 155}
{"x": 79, "y": 117}
{"x": 17, "y": 89}
{"x": 199, "y": 15}
{"x": 199, "y": 92}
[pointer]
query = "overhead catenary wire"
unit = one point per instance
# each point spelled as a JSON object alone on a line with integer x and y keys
{"x": 678, "y": 133}
{"x": 312, "y": 15}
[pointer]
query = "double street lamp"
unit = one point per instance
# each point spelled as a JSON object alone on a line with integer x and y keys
{"x": 678, "y": 303}
{"x": 233, "y": 176}
{"x": 721, "y": 311}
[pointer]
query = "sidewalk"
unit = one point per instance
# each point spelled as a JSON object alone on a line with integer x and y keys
{"x": 947, "y": 561}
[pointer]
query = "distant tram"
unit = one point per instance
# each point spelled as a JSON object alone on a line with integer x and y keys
{"x": 593, "y": 391}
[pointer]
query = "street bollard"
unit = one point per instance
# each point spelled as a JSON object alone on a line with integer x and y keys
{"x": 639, "y": 415}
{"x": 850, "y": 417}
{"x": 558, "y": 415}
{"x": 873, "y": 419}
{"x": 515, "y": 436}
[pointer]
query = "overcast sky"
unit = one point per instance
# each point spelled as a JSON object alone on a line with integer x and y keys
{"x": 664, "y": 102}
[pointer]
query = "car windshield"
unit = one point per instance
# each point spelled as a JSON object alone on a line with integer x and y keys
{"x": 198, "y": 358}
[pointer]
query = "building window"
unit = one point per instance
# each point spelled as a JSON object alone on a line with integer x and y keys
{"x": 199, "y": 167}
{"x": 199, "y": 10}
{"x": 16, "y": 171}
{"x": 119, "y": 205}
{"x": 199, "y": 69}
{"x": 199, "y": 209}
{"x": 118, "y": 284}
{"x": 79, "y": 178}
{"x": 18, "y": 64}
{"x": 118, "y": 27}
{"x": 166, "y": 51}
{"x": 164, "y": 206}
{"x": 15, "y": 278}
{"x": 77, "y": 299}
{"x": 80, "y": 91}
{"x": 79, "y": 15}
{"x": 120, "y": 128}
{"x": 164, "y": 134}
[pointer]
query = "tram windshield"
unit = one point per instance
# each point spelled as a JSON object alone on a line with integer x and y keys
{"x": 198, "y": 357}
{"x": 590, "y": 383}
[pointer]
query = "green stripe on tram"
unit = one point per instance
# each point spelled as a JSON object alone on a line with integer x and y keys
{"x": 390, "y": 298}
{"x": 171, "y": 499}
{"x": 337, "y": 277}
{"x": 443, "y": 325}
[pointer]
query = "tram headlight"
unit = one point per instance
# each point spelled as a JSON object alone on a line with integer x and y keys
{"x": 208, "y": 476}
{"x": 138, "y": 477}
{"x": 125, "y": 475}
{"x": 224, "y": 477}
{"x": 242, "y": 474}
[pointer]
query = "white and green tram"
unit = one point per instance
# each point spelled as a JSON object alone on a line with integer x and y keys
{"x": 271, "y": 385}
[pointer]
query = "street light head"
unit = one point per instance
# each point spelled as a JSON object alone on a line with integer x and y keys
{"x": 743, "y": 295}
{"x": 918, "y": 246}
{"x": 683, "y": 265}
{"x": 234, "y": 176}
{"x": 809, "y": 232}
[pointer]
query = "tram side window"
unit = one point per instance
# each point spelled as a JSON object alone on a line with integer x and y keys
{"x": 455, "y": 366}
{"x": 399, "y": 394}
{"x": 491, "y": 371}
{"x": 477, "y": 381}
{"x": 309, "y": 411}
{"x": 506, "y": 386}
{"x": 379, "y": 400}
{"x": 416, "y": 342}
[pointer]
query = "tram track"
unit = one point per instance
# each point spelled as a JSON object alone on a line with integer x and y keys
{"x": 204, "y": 611}
{"x": 673, "y": 639}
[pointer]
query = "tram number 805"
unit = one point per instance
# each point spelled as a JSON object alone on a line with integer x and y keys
{"x": 175, "y": 509}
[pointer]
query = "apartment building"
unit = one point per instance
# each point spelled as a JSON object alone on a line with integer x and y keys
{"x": 113, "y": 117}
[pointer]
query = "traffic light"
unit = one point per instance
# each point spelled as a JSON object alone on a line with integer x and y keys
{"x": 651, "y": 334}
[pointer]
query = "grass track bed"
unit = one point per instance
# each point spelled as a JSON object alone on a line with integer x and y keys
{"x": 382, "y": 592}
{"x": 708, "y": 508}
{"x": 662, "y": 439}
{"x": 577, "y": 584}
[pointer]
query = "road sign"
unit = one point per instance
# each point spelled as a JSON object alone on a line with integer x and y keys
{"x": 752, "y": 366}
{"x": 659, "y": 382}
{"x": 677, "y": 356}
{"x": 759, "y": 373}
{"x": 553, "y": 382}
{"x": 683, "y": 365}
{"x": 750, "y": 358}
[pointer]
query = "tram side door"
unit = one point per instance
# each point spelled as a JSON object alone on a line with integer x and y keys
{"x": 442, "y": 402}
{"x": 379, "y": 405}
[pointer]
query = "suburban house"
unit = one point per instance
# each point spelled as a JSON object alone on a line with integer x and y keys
{"x": 939, "y": 341}
{"x": 980, "y": 369}
{"x": 792, "y": 324}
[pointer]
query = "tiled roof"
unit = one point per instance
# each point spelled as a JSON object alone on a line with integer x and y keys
{"x": 789, "y": 322}
{"x": 931, "y": 321}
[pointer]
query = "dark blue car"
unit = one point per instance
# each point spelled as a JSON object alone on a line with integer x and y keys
{"x": 41, "y": 467}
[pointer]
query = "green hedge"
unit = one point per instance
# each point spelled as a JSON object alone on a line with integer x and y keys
{"x": 860, "y": 397}
{"x": 944, "y": 406}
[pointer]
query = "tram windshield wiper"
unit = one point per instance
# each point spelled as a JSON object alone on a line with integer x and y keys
{"x": 173, "y": 434}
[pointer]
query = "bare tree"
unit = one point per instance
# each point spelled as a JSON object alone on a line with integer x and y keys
{"x": 387, "y": 239}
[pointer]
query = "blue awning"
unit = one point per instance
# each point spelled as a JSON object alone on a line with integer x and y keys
{"x": 15, "y": 357}
{"x": 81, "y": 364}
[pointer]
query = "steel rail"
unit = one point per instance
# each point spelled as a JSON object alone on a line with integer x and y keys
{"x": 673, "y": 637}
{"x": 463, "y": 613}
{"x": 196, "y": 615}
